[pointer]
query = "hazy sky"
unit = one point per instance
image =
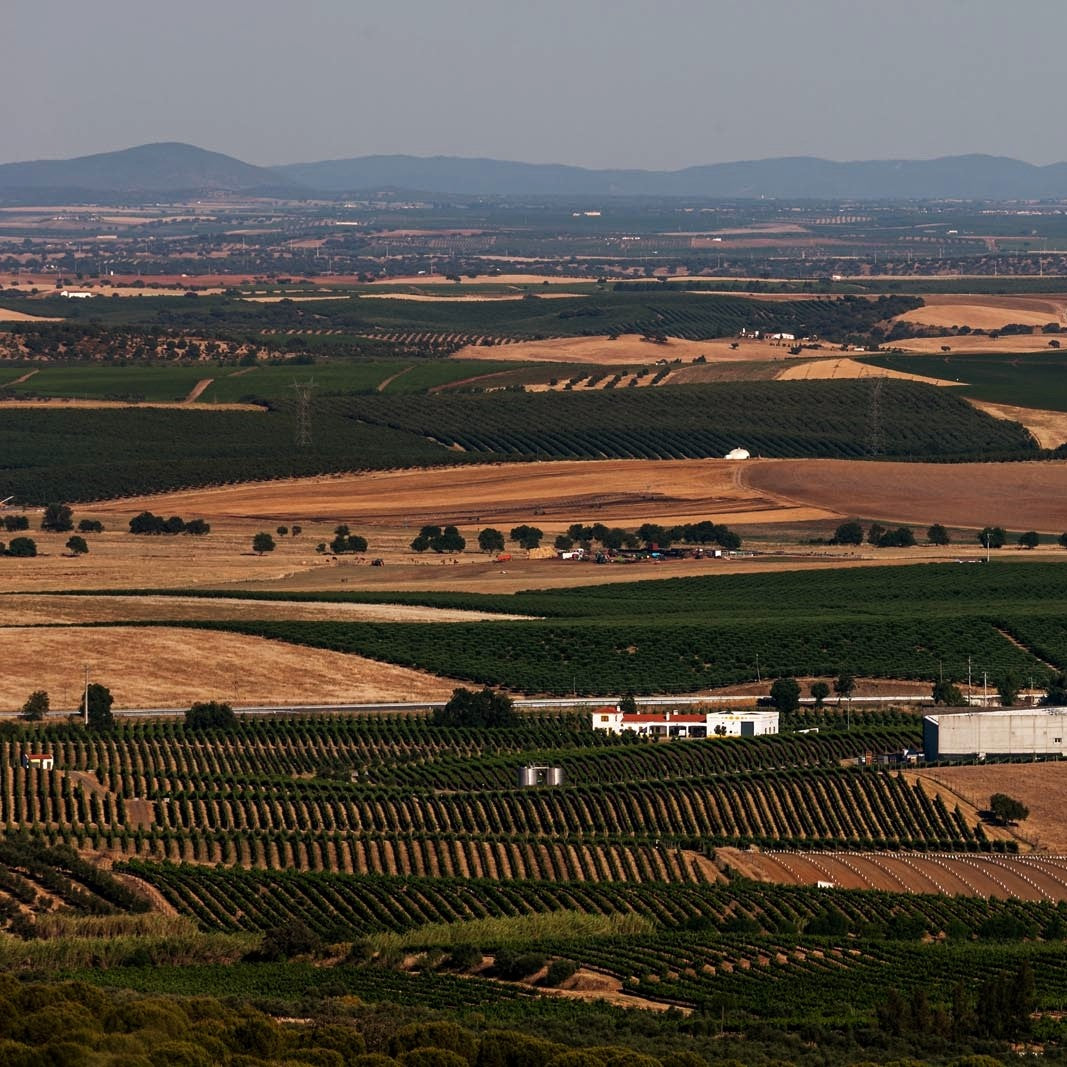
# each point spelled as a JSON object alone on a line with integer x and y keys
{"x": 622, "y": 83}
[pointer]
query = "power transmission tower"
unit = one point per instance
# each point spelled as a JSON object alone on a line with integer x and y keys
{"x": 875, "y": 434}
{"x": 303, "y": 392}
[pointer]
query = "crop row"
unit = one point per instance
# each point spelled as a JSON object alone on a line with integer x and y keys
{"x": 697, "y": 421}
{"x": 233, "y": 898}
{"x": 670, "y": 655}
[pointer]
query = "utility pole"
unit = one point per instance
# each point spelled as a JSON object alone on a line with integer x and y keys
{"x": 758, "y": 678}
{"x": 985, "y": 689}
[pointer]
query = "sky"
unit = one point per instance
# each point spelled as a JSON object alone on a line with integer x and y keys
{"x": 654, "y": 84}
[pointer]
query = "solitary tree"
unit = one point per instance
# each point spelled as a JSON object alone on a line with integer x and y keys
{"x": 210, "y": 715}
{"x": 1008, "y": 690}
{"x": 820, "y": 691}
{"x": 77, "y": 545}
{"x": 938, "y": 535}
{"x": 22, "y": 546}
{"x": 526, "y": 536}
{"x": 262, "y": 542}
{"x": 490, "y": 540}
{"x": 1007, "y": 809}
{"x": 470, "y": 708}
{"x": 848, "y": 533}
{"x": 36, "y": 706}
{"x": 197, "y": 527}
{"x": 992, "y": 537}
{"x": 282, "y": 531}
{"x": 100, "y": 701}
{"x": 949, "y": 694}
{"x": 57, "y": 518}
{"x": 1030, "y": 539}
{"x": 785, "y": 694}
{"x": 844, "y": 686}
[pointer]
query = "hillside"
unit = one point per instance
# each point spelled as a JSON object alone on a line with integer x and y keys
{"x": 153, "y": 168}
{"x": 967, "y": 177}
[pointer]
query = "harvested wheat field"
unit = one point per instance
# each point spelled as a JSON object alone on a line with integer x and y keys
{"x": 974, "y": 344}
{"x": 1017, "y": 496}
{"x": 482, "y": 279}
{"x": 986, "y": 312}
{"x": 7, "y": 315}
{"x": 554, "y": 493}
{"x": 172, "y": 667}
{"x": 1028, "y": 877}
{"x": 1048, "y": 427}
{"x": 49, "y": 608}
{"x": 1042, "y": 787}
{"x": 849, "y": 368}
{"x": 626, "y": 350}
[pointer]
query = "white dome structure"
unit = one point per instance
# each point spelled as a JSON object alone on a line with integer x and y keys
{"x": 738, "y": 453}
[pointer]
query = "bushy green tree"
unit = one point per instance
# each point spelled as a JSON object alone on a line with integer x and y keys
{"x": 938, "y": 535}
{"x": 490, "y": 540}
{"x": 848, "y": 533}
{"x": 57, "y": 518}
{"x": 992, "y": 537}
{"x": 262, "y": 542}
{"x": 1030, "y": 539}
{"x": 785, "y": 694}
{"x": 476, "y": 708}
{"x": 36, "y": 706}
{"x": 527, "y": 536}
{"x": 23, "y": 547}
{"x": 77, "y": 545}
{"x": 949, "y": 694}
{"x": 819, "y": 691}
{"x": 1007, "y": 809}
{"x": 100, "y": 701}
{"x": 210, "y": 715}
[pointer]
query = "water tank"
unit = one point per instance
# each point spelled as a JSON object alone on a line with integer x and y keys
{"x": 527, "y": 776}
{"x": 555, "y": 776}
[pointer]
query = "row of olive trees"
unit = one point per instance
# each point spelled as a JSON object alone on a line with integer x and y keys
{"x": 852, "y": 533}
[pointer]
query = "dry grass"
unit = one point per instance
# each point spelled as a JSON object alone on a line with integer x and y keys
{"x": 849, "y": 368}
{"x": 1048, "y": 427}
{"x": 1017, "y": 496}
{"x": 1042, "y": 787}
{"x": 974, "y": 345}
{"x": 7, "y": 315}
{"x": 48, "y": 608}
{"x": 986, "y": 312}
{"x": 172, "y": 667}
{"x": 625, "y": 350}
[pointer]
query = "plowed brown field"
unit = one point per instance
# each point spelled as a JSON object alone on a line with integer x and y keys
{"x": 1017, "y": 496}
{"x": 1029, "y": 877}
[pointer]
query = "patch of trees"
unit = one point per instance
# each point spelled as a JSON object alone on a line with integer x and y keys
{"x": 147, "y": 523}
{"x": 210, "y": 715}
{"x": 345, "y": 542}
{"x": 22, "y": 547}
{"x": 485, "y": 707}
{"x": 57, "y": 518}
{"x": 490, "y": 540}
{"x": 526, "y": 536}
{"x": 14, "y": 523}
{"x": 652, "y": 535}
{"x": 436, "y": 539}
{"x": 852, "y": 533}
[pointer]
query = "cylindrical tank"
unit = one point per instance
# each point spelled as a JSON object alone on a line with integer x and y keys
{"x": 555, "y": 776}
{"x": 527, "y": 776}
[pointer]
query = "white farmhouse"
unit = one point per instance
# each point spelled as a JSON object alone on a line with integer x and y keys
{"x": 747, "y": 723}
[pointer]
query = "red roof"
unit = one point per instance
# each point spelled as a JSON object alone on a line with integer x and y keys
{"x": 39, "y": 755}
{"x": 608, "y": 709}
{"x": 674, "y": 717}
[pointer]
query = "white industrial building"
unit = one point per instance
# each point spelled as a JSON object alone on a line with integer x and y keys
{"x": 687, "y": 723}
{"x": 965, "y": 734}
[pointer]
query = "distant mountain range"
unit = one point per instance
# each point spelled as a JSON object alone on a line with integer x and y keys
{"x": 172, "y": 169}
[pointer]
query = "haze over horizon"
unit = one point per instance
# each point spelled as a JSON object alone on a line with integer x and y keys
{"x": 596, "y": 84}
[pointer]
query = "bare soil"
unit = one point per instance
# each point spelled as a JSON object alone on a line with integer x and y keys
{"x": 1017, "y": 496}
{"x": 189, "y": 665}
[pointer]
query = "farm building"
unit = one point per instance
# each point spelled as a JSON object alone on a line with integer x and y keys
{"x": 41, "y": 760}
{"x": 687, "y": 724}
{"x": 998, "y": 732}
{"x": 738, "y": 453}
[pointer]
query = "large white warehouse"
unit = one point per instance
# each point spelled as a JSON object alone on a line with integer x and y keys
{"x": 1001, "y": 732}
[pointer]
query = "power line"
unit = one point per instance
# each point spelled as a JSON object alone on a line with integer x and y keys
{"x": 303, "y": 392}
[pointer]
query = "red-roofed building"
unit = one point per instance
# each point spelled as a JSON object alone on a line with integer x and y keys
{"x": 746, "y": 723}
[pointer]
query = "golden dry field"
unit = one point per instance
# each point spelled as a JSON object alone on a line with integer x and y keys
{"x": 172, "y": 666}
